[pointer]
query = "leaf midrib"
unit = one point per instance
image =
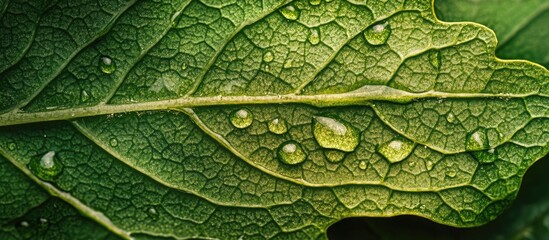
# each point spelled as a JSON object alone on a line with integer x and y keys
{"x": 362, "y": 96}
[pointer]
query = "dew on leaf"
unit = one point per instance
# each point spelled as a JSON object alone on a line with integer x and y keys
{"x": 476, "y": 141}
{"x": 334, "y": 134}
{"x": 314, "y": 36}
{"x": 397, "y": 149}
{"x": 290, "y": 12}
{"x": 84, "y": 96}
{"x": 451, "y": 173}
{"x": 362, "y": 165}
{"x": 113, "y": 142}
{"x": 184, "y": 66}
{"x": 315, "y": 2}
{"x": 429, "y": 165}
{"x": 106, "y": 65}
{"x": 152, "y": 213}
{"x": 241, "y": 118}
{"x": 487, "y": 156}
{"x": 24, "y": 224}
{"x": 291, "y": 153}
{"x": 334, "y": 155}
{"x": 268, "y": 57}
{"x": 47, "y": 167}
{"x": 434, "y": 59}
{"x": 377, "y": 34}
{"x": 451, "y": 118}
{"x": 278, "y": 126}
{"x": 12, "y": 146}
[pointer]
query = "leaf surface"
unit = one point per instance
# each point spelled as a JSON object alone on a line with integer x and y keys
{"x": 190, "y": 119}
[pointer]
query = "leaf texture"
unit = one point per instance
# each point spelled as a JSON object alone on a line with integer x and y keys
{"x": 256, "y": 120}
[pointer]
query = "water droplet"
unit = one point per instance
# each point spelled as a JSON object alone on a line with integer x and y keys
{"x": 422, "y": 207}
{"x": 12, "y": 146}
{"x": 397, "y": 149}
{"x": 451, "y": 173}
{"x": 315, "y": 2}
{"x": 377, "y": 34}
{"x": 84, "y": 96}
{"x": 268, "y": 57}
{"x": 241, "y": 118}
{"x": 290, "y": 12}
{"x": 314, "y": 36}
{"x": 106, "y": 65}
{"x": 43, "y": 220}
{"x": 429, "y": 165}
{"x": 291, "y": 153}
{"x": 450, "y": 118}
{"x": 46, "y": 167}
{"x": 411, "y": 164}
{"x": 334, "y": 134}
{"x": 278, "y": 126}
{"x": 152, "y": 213}
{"x": 113, "y": 142}
{"x": 434, "y": 59}
{"x": 362, "y": 165}
{"x": 184, "y": 66}
{"x": 486, "y": 156}
{"x": 477, "y": 140}
{"x": 24, "y": 224}
{"x": 334, "y": 155}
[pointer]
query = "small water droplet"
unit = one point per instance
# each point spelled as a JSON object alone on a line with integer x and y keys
{"x": 43, "y": 220}
{"x": 12, "y": 146}
{"x": 450, "y": 118}
{"x": 314, "y": 36}
{"x": 290, "y": 12}
{"x": 152, "y": 213}
{"x": 113, "y": 142}
{"x": 268, "y": 57}
{"x": 362, "y": 165}
{"x": 397, "y": 149}
{"x": 422, "y": 207}
{"x": 46, "y": 167}
{"x": 435, "y": 59}
{"x": 335, "y": 134}
{"x": 291, "y": 153}
{"x": 184, "y": 66}
{"x": 334, "y": 155}
{"x": 106, "y": 65}
{"x": 241, "y": 118}
{"x": 315, "y": 2}
{"x": 411, "y": 164}
{"x": 477, "y": 140}
{"x": 429, "y": 165}
{"x": 278, "y": 126}
{"x": 377, "y": 34}
{"x": 24, "y": 224}
{"x": 451, "y": 173}
{"x": 84, "y": 96}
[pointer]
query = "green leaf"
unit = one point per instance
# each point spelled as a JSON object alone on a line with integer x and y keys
{"x": 243, "y": 120}
{"x": 521, "y": 26}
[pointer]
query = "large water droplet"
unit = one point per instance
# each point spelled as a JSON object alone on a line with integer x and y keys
{"x": 106, "y": 65}
{"x": 291, "y": 153}
{"x": 290, "y": 12}
{"x": 268, "y": 57}
{"x": 334, "y": 155}
{"x": 241, "y": 118}
{"x": 377, "y": 34}
{"x": 434, "y": 59}
{"x": 46, "y": 167}
{"x": 84, "y": 96}
{"x": 314, "y": 36}
{"x": 334, "y": 134}
{"x": 315, "y": 2}
{"x": 397, "y": 149}
{"x": 278, "y": 126}
{"x": 477, "y": 140}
